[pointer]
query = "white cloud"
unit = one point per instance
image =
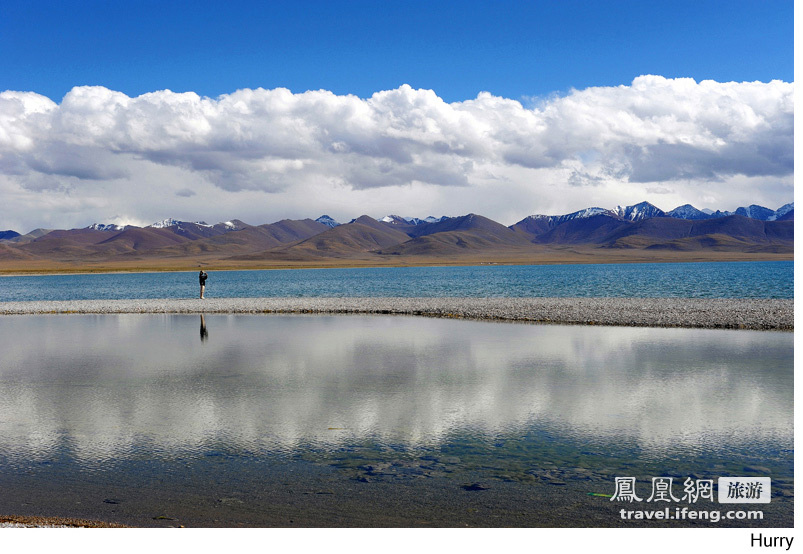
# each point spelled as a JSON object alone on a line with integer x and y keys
{"x": 196, "y": 156}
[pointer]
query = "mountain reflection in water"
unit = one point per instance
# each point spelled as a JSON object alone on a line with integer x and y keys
{"x": 111, "y": 387}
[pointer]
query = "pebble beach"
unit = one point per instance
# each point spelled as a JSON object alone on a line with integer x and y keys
{"x": 755, "y": 314}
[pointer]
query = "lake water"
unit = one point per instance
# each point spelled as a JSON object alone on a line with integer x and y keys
{"x": 689, "y": 280}
{"x": 380, "y": 420}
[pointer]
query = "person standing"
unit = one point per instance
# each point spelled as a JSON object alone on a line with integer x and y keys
{"x": 202, "y": 279}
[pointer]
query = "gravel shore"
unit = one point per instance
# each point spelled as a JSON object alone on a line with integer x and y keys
{"x": 760, "y": 314}
{"x": 51, "y": 522}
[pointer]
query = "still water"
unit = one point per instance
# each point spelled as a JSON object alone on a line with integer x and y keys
{"x": 673, "y": 280}
{"x": 219, "y": 419}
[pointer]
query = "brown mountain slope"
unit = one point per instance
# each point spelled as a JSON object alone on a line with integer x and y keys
{"x": 466, "y": 239}
{"x": 398, "y": 224}
{"x": 292, "y": 230}
{"x": 365, "y": 234}
{"x": 472, "y": 222}
{"x": 455, "y": 243}
{"x": 66, "y": 244}
{"x": 531, "y": 227}
{"x": 715, "y": 242}
{"x": 28, "y": 237}
{"x": 196, "y": 231}
{"x": 137, "y": 239}
{"x": 458, "y": 235}
{"x": 10, "y": 253}
{"x": 587, "y": 230}
{"x": 731, "y": 232}
{"x": 248, "y": 240}
{"x": 379, "y": 225}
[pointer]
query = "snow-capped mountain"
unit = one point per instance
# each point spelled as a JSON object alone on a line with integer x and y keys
{"x": 328, "y": 221}
{"x": 783, "y": 210}
{"x": 398, "y": 220}
{"x": 753, "y": 211}
{"x": 107, "y": 227}
{"x": 554, "y": 220}
{"x": 645, "y": 210}
{"x": 196, "y": 229}
{"x": 395, "y": 220}
{"x": 170, "y": 222}
{"x": 756, "y": 212}
{"x": 642, "y": 210}
{"x": 687, "y": 211}
{"x": 582, "y": 214}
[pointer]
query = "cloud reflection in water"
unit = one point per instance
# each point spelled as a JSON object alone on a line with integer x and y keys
{"x": 110, "y": 387}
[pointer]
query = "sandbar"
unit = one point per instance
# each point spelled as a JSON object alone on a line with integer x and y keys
{"x": 712, "y": 313}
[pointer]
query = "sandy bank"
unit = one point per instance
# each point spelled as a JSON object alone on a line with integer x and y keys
{"x": 760, "y": 314}
{"x": 51, "y": 522}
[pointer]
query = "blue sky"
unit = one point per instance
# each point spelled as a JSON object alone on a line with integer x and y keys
{"x": 133, "y": 112}
{"x": 514, "y": 49}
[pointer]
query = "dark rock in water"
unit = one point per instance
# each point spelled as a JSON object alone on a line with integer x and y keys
{"x": 758, "y": 469}
{"x": 475, "y": 487}
{"x": 111, "y": 501}
{"x": 376, "y": 469}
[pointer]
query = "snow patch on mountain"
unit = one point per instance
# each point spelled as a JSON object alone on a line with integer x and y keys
{"x": 589, "y": 212}
{"x": 756, "y": 212}
{"x": 783, "y": 210}
{"x": 170, "y": 222}
{"x": 107, "y": 227}
{"x": 687, "y": 211}
{"x": 328, "y": 221}
{"x": 399, "y": 220}
{"x": 645, "y": 210}
{"x": 638, "y": 212}
{"x": 555, "y": 220}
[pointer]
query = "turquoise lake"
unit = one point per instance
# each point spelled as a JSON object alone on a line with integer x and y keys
{"x": 394, "y": 421}
{"x": 681, "y": 280}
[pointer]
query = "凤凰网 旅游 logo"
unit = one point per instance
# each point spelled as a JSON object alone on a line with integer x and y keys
{"x": 664, "y": 490}
{"x": 730, "y": 490}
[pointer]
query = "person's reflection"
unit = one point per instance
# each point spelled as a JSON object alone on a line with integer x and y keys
{"x": 204, "y": 332}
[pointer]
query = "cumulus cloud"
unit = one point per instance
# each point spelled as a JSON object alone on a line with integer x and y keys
{"x": 655, "y": 134}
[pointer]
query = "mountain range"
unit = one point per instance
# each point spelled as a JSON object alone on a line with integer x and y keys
{"x": 640, "y": 231}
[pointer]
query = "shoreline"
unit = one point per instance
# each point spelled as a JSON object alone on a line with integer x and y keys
{"x": 562, "y": 256}
{"x": 707, "y": 313}
{"x": 54, "y": 522}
